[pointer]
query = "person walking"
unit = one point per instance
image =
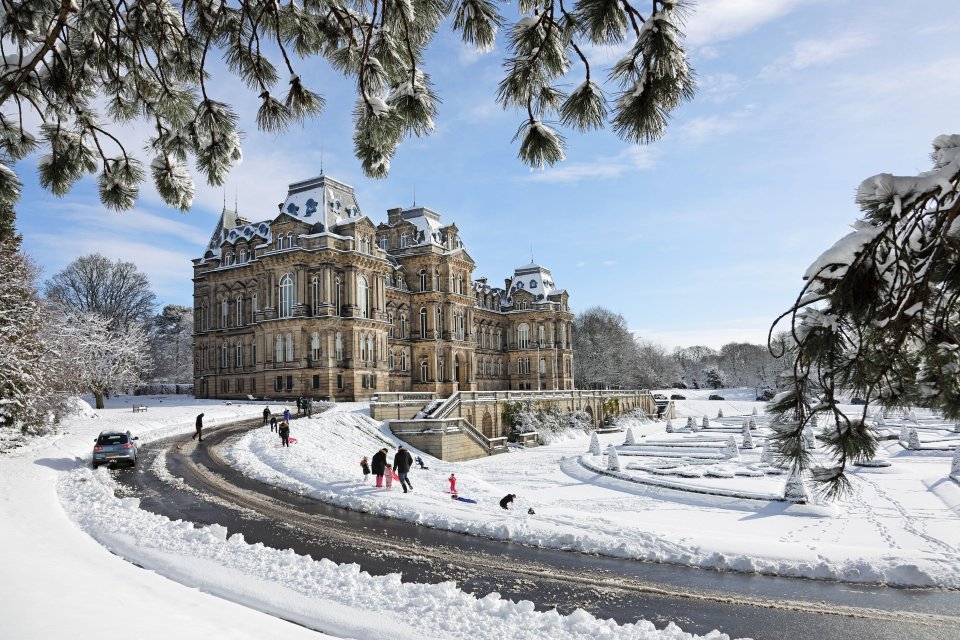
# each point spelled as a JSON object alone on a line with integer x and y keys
{"x": 285, "y": 433}
{"x": 365, "y": 468}
{"x": 286, "y": 415}
{"x": 266, "y": 416}
{"x": 308, "y": 407}
{"x": 377, "y": 465}
{"x": 453, "y": 483}
{"x": 388, "y": 474}
{"x": 273, "y": 423}
{"x": 507, "y": 500}
{"x": 402, "y": 462}
{"x": 199, "y": 431}
{"x": 299, "y": 405}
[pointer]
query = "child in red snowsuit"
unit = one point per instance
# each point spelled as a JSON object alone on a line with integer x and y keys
{"x": 388, "y": 475}
{"x": 453, "y": 483}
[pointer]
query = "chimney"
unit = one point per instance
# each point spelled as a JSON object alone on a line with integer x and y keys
{"x": 393, "y": 215}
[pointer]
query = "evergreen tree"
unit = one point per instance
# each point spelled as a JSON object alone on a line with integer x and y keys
{"x": 67, "y": 62}
{"x": 171, "y": 342}
{"x": 877, "y": 317}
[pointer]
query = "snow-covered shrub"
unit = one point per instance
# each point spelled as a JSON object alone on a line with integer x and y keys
{"x": 594, "y": 444}
{"x": 613, "y": 460}
{"x": 955, "y": 467}
{"x": 691, "y": 423}
{"x": 719, "y": 413}
{"x": 747, "y": 438}
{"x": 767, "y": 456}
{"x": 630, "y": 441}
{"x": 731, "y": 451}
{"x": 881, "y": 422}
{"x": 956, "y": 427}
{"x": 754, "y": 412}
{"x": 751, "y": 423}
{"x": 579, "y": 420}
{"x": 913, "y": 440}
{"x": 706, "y": 422}
{"x": 795, "y": 490}
{"x": 669, "y": 426}
{"x": 904, "y": 434}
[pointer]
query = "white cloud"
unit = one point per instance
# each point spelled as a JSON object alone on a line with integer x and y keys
{"x": 808, "y": 53}
{"x": 633, "y": 158}
{"x": 718, "y": 87}
{"x": 718, "y": 20}
{"x": 703, "y": 128}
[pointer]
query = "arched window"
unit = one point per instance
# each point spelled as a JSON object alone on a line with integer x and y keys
{"x": 436, "y": 280}
{"x": 403, "y": 361}
{"x": 338, "y": 346}
{"x": 224, "y": 314}
{"x": 239, "y": 311}
{"x": 390, "y": 361}
{"x": 239, "y": 354}
{"x": 440, "y": 375}
{"x": 289, "y": 353}
{"x": 424, "y": 371}
{"x": 289, "y": 239}
{"x": 423, "y": 279}
{"x": 363, "y": 297}
{"x": 363, "y": 349}
{"x": 337, "y": 290}
{"x": 371, "y": 352}
{"x": 543, "y": 365}
{"x": 423, "y": 322}
{"x": 540, "y": 335}
{"x": 223, "y": 356}
{"x": 523, "y": 336}
{"x": 279, "y": 242}
{"x": 439, "y": 326}
{"x": 286, "y": 296}
{"x": 459, "y": 283}
{"x": 499, "y": 339}
{"x": 315, "y": 346}
{"x": 278, "y": 349}
{"x": 253, "y": 303}
{"x": 315, "y": 293}
{"x": 393, "y": 329}
{"x": 403, "y": 326}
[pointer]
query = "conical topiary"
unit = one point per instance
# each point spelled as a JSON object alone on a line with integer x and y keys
{"x": 752, "y": 423}
{"x": 691, "y": 423}
{"x": 904, "y": 433}
{"x": 731, "y": 451}
{"x": 754, "y": 411}
{"x": 669, "y": 426}
{"x": 719, "y": 413}
{"x": 956, "y": 427}
{"x": 881, "y": 422}
{"x": 747, "y": 438}
{"x": 613, "y": 460}
{"x": 913, "y": 440}
{"x": 795, "y": 490}
{"x": 594, "y": 444}
{"x": 630, "y": 439}
{"x": 706, "y": 422}
{"x": 767, "y": 456}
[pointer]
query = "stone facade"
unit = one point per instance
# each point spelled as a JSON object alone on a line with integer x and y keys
{"x": 320, "y": 302}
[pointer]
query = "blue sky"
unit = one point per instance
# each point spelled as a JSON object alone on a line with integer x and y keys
{"x": 700, "y": 238}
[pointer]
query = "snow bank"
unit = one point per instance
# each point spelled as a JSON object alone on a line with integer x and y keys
{"x": 318, "y": 594}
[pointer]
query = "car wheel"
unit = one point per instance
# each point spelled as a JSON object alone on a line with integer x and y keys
{"x": 95, "y": 465}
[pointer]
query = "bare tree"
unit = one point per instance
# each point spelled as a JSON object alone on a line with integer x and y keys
{"x": 604, "y": 349}
{"x": 115, "y": 290}
{"x": 96, "y": 355}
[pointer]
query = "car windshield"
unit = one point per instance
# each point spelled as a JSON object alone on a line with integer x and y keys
{"x": 112, "y": 438}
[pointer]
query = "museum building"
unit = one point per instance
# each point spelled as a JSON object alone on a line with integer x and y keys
{"x": 320, "y": 302}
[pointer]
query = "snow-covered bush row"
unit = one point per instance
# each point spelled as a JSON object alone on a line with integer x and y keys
{"x": 551, "y": 423}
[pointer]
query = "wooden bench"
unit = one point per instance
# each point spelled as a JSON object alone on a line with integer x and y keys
{"x": 137, "y": 408}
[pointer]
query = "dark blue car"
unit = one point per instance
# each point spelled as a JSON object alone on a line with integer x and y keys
{"x": 115, "y": 446}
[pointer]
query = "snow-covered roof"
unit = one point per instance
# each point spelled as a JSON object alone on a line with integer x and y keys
{"x": 321, "y": 199}
{"x": 532, "y": 278}
{"x": 428, "y": 225}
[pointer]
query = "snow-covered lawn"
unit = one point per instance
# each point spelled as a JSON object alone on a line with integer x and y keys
{"x": 59, "y": 582}
{"x": 901, "y": 525}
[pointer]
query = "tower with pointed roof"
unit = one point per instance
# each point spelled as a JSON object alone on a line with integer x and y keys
{"x": 316, "y": 300}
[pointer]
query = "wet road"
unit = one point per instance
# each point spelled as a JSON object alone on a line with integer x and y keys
{"x": 184, "y": 481}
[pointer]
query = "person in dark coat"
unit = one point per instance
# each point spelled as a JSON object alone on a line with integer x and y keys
{"x": 402, "y": 462}
{"x": 507, "y": 500}
{"x": 378, "y": 464}
{"x": 273, "y": 423}
{"x": 266, "y": 415}
{"x": 299, "y": 405}
{"x": 199, "y": 432}
{"x": 285, "y": 433}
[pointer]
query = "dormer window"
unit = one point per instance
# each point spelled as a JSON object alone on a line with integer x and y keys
{"x": 404, "y": 240}
{"x": 289, "y": 239}
{"x": 533, "y": 284}
{"x": 384, "y": 242}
